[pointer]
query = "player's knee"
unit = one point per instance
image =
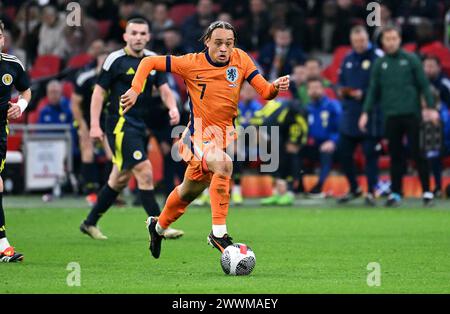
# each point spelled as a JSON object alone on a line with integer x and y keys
{"x": 144, "y": 178}
{"x": 118, "y": 182}
{"x": 87, "y": 156}
{"x": 123, "y": 181}
{"x": 224, "y": 167}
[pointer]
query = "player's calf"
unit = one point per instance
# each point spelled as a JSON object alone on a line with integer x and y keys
{"x": 144, "y": 175}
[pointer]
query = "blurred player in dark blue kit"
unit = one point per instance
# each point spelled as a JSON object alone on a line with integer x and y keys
{"x": 80, "y": 105}
{"x": 12, "y": 73}
{"x": 126, "y": 132}
{"x": 353, "y": 84}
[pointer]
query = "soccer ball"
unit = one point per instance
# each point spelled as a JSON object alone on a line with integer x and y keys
{"x": 238, "y": 260}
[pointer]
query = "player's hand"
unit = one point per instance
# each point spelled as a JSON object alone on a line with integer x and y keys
{"x": 430, "y": 115}
{"x": 96, "y": 133}
{"x": 282, "y": 83}
{"x": 14, "y": 111}
{"x": 128, "y": 100}
{"x": 362, "y": 123}
{"x": 174, "y": 116}
{"x": 328, "y": 147}
{"x": 292, "y": 148}
{"x": 357, "y": 94}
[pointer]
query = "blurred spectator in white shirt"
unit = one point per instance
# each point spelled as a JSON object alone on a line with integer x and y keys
{"x": 51, "y": 34}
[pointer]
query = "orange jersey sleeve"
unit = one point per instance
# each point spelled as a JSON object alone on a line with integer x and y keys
{"x": 264, "y": 88}
{"x": 179, "y": 65}
{"x": 147, "y": 65}
{"x": 258, "y": 82}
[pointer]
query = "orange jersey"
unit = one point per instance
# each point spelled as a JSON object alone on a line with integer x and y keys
{"x": 213, "y": 89}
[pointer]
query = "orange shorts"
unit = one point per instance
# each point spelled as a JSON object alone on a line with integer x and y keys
{"x": 193, "y": 150}
{"x": 194, "y": 155}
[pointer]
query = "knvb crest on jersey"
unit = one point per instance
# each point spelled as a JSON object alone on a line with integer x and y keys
{"x": 232, "y": 75}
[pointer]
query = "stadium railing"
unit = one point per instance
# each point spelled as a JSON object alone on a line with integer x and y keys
{"x": 47, "y": 154}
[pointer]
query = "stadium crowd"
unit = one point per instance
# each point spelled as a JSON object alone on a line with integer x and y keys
{"x": 325, "y": 46}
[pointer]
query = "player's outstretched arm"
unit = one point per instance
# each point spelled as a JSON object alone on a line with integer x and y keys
{"x": 146, "y": 65}
{"x": 269, "y": 91}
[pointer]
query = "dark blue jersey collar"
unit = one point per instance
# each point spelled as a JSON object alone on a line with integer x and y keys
{"x": 216, "y": 64}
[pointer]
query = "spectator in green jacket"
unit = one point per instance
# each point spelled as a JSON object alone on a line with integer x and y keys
{"x": 397, "y": 83}
{"x": 312, "y": 68}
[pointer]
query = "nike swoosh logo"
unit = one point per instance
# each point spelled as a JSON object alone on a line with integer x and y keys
{"x": 220, "y": 247}
{"x": 198, "y": 77}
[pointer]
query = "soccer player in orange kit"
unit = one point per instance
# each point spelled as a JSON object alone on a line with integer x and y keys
{"x": 213, "y": 79}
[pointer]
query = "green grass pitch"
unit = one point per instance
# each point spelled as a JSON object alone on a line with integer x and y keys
{"x": 312, "y": 248}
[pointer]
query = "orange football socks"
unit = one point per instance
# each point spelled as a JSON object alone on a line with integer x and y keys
{"x": 174, "y": 208}
{"x": 219, "y": 191}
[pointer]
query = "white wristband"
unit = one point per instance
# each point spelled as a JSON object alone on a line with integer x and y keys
{"x": 23, "y": 104}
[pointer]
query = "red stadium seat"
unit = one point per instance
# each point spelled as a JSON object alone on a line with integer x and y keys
{"x": 178, "y": 13}
{"x": 103, "y": 28}
{"x": 384, "y": 163}
{"x": 68, "y": 89}
{"x": 440, "y": 51}
{"x": 10, "y": 11}
{"x": 45, "y": 66}
{"x": 33, "y": 116}
{"x": 411, "y": 47}
{"x": 79, "y": 61}
{"x": 332, "y": 71}
{"x": 437, "y": 49}
{"x": 446, "y": 163}
{"x": 14, "y": 142}
{"x": 330, "y": 93}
